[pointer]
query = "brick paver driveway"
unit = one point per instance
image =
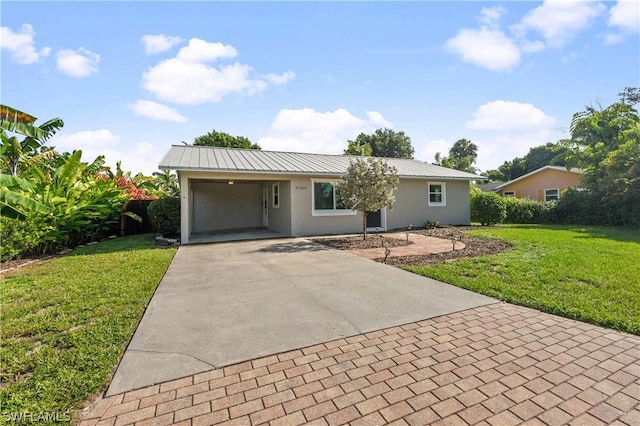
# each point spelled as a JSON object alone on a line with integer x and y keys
{"x": 496, "y": 365}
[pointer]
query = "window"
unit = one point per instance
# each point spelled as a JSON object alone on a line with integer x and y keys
{"x": 437, "y": 194}
{"x": 276, "y": 195}
{"x": 325, "y": 200}
{"x": 552, "y": 194}
{"x": 509, "y": 194}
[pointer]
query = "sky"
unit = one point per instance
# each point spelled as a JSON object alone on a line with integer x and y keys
{"x": 130, "y": 79}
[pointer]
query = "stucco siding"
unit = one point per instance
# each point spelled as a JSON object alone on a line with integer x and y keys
{"x": 303, "y": 222}
{"x": 209, "y": 205}
{"x": 280, "y": 217}
{"x": 533, "y": 186}
{"x": 220, "y": 206}
{"x": 412, "y": 204}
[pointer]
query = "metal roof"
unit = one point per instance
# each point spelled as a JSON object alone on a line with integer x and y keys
{"x": 233, "y": 160}
{"x": 561, "y": 168}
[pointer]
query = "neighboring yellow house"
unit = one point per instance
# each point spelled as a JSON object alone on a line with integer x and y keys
{"x": 543, "y": 184}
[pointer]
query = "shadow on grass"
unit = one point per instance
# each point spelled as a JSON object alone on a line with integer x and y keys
{"x": 616, "y": 233}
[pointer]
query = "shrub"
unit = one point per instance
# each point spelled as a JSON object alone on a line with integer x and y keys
{"x": 525, "y": 210}
{"x": 488, "y": 208}
{"x": 20, "y": 237}
{"x": 430, "y": 224}
{"x": 164, "y": 214}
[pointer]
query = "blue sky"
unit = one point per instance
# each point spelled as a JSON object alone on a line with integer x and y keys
{"x": 132, "y": 78}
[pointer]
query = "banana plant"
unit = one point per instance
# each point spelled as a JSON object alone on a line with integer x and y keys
{"x": 18, "y": 155}
{"x": 16, "y": 200}
{"x": 80, "y": 206}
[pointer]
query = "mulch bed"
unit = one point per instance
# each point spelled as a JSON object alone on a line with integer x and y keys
{"x": 355, "y": 243}
{"x": 474, "y": 246}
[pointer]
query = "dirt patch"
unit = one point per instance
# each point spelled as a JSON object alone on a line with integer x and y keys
{"x": 471, "y": 246}
{"x": 357, "y": 243}
{"x": 9, "y": 265}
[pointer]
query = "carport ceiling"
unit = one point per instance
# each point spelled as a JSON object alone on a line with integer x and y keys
{"x": 226, "y": 181}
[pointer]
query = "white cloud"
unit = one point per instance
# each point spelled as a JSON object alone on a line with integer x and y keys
{"x": 558, "y": 21}
{"x": 159, "y": 43}
{"x": 307, "y": 130}
{"x": 141, "y": 157}
{"x": 279, "y": 78}
{"x": 156, "y": 111}
{"x": 86, "y": 138}
{"x": 486, "y": 48}
{"x": 610, "y": 39}
{"x": 626, "y": 15}
{"x": 378, "y": 120}
{"x": 428, "y": 153}
{"x": 508, "y": 129}
{"x": 21, "y": 44}
{"x": 189, "y": 79}
{"x": 491, "y": 15}
{"x": 77, "y": 64}
{"x": 203, "y": 51}
{"x": 507, "y": 115}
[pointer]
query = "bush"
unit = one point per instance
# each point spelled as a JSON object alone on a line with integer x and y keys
{"x": 431, "y": 224}
{"x": 488, "y": 208}
{"x": 525, "y": 210}
{"x": 164, "y": 214}
{"x": 20, "y": 237}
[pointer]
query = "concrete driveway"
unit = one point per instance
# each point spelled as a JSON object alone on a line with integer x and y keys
{"x": 220, "y": 304}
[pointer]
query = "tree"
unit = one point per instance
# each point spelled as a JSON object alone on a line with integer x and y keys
{"x": 550, "y": 154}
{"x": 606, "y": 144}
{"x": 462, "y": 156}
{"x": 17, "y": 155}
{"x": 382, "y": 143}
{"x": 225, "y": 140}
{"x": 368, "y": 185}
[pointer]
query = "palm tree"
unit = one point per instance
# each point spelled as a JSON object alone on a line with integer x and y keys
{"x": 167, "y": 183}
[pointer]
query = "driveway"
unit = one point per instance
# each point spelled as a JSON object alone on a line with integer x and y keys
{"x": 221, "y": 304}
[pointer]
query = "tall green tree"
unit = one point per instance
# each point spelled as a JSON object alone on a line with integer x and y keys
{"x": 462, "y": 156}
{"x": 367, "y": 186}
{"x": 382, "y": 143}
{"x": 17, "y": 155}
{"x": 606, "y": 144}
{"x": 224, "y": 140}
{"x": 550, "y": 154}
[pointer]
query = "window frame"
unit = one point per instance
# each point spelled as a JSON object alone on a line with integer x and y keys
{"x": 509, "y": 193}
{"x": 442, "y": 203}
{"x": 275, "y": 195}
{"x": 327, "y": 212}
{"x": 557, "y": 196}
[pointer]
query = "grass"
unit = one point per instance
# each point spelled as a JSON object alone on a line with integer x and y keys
{"x": 590, "y": 274}
{"x": 66, "y": 322}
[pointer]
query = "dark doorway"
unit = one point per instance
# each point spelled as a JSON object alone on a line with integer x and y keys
{"x": 374, "y": 219}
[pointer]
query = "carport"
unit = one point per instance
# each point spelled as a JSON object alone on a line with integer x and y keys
{"x": 233, "y": 209}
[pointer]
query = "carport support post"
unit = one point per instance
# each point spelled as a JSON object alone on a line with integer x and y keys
{"x": 185, "y": 209}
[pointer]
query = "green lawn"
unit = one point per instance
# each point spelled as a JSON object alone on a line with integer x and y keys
{"x": 587, "y": 273}
{"x": 66, "y": 321}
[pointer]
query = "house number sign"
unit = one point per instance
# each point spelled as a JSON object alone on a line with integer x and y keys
{"x": 301, "y": 188}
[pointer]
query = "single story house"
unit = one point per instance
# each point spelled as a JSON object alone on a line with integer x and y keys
{"x": 543, "y": 184}
{"x": 293, "y": 193}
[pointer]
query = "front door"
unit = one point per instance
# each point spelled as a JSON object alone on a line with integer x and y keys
{"x": 265, "y": 207}
{"x": 374, "y": 219}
